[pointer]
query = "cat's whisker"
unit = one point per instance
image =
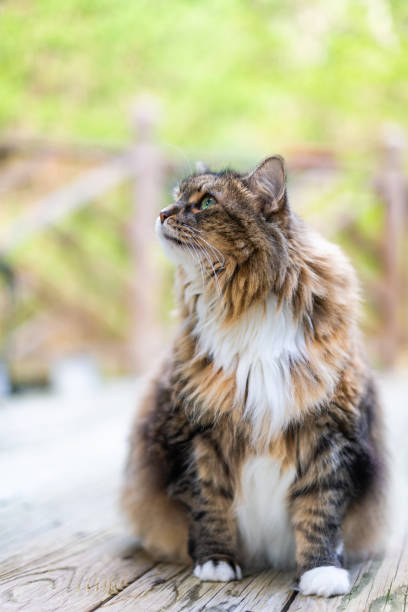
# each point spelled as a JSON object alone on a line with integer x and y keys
{"x": 213, "y": 249}
{"x": 215, "y": 272}
{"x": 219, "y": 256}
{"x": 209, "y": 259}
{"x": 194, "y": 230}
{"x": 198, "y": 259}
{"x": 207, "y": 256}
{"x": 214, "y": 275}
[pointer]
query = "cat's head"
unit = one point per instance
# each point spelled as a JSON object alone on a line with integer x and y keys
{"x": 225, "y": 220}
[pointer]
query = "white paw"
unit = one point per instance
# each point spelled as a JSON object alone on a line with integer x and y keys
{"x": 325, "y": 581}
{"x": 217, "y": 571}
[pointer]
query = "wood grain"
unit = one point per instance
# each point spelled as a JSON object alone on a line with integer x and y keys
{"x": 379, "y": 585}
{"x": 76, "y": 577}
{"x": 64, "y": 547}
{"x": 174, "y": 589}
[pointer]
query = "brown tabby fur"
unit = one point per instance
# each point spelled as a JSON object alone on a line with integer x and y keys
{"x": 192, "y": 436}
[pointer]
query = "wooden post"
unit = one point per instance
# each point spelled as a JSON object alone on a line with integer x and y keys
{"x": 392, "y": 187}
{"x": 7, "y": 275}
{"x": 147, "y": 193}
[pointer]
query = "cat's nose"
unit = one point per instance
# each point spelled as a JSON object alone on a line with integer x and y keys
{"x": 163, "y": 215}
{"x": 167, "y": 212}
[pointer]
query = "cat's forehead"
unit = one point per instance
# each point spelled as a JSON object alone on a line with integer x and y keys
{"x": 198, "y": 184}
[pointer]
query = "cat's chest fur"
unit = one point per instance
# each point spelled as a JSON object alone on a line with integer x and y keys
{"x": 259, "y": 349}
{"x": 262, "y": 513}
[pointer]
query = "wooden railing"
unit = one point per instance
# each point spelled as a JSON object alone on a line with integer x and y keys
{"x": 392, "y": 187}
{"x": 147, "y": 168}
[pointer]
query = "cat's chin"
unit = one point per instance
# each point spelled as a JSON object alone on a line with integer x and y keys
{"x": 173, "y": 249}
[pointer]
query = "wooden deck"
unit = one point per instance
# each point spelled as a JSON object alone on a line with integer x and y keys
{"x": 64, "y": 546}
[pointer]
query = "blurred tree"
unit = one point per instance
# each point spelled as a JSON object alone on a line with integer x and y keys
{"x": 255, "y": 75}
{"x": 236, "y": 79}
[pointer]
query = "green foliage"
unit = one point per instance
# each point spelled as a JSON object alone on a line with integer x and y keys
{"x": 250, "y": 75}
{"x": 235, "y": 80}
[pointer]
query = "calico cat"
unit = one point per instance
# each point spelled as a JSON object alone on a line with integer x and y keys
{"x": 259, "y": 443}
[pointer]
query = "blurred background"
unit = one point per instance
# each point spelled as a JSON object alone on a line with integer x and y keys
{"x": 105, "y": 104}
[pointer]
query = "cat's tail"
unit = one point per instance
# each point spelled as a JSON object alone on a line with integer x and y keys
{"x": 157, "y": 520}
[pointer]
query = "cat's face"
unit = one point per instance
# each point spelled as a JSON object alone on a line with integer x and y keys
{"x": 218, "y": 217}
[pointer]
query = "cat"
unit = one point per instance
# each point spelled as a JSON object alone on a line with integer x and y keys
{"x": 259, "y": 442}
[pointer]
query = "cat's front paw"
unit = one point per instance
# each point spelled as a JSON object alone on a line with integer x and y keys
{"x": 325, "y": 581}
{"x": 218, "y": 571}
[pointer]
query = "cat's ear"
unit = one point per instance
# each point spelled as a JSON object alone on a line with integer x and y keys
{"x": 202, "y": 168}
{"x": 269, "y": 181}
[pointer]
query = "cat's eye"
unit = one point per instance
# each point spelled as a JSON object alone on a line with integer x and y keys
{"x": 206, "y": 202}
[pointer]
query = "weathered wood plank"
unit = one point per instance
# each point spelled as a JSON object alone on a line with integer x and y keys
{"x": 267, "y": 591}
{"x": 383, "y": 584}
{"x": 63, "y": 545}
{"x": 64, "y": 459}
{"x": 155, "y": 590}
{"x": 29, "y": 530}
{"x": 378, "y": 584}
{"x": 80, "y": 576}
{"x": 174, "y": 589}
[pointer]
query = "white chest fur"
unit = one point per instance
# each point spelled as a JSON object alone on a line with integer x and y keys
{"x": 259, "y": 347}
{"x": 262, "y": 515}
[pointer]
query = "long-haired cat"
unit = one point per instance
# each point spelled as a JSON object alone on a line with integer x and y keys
{"x": 260, "y": 440}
